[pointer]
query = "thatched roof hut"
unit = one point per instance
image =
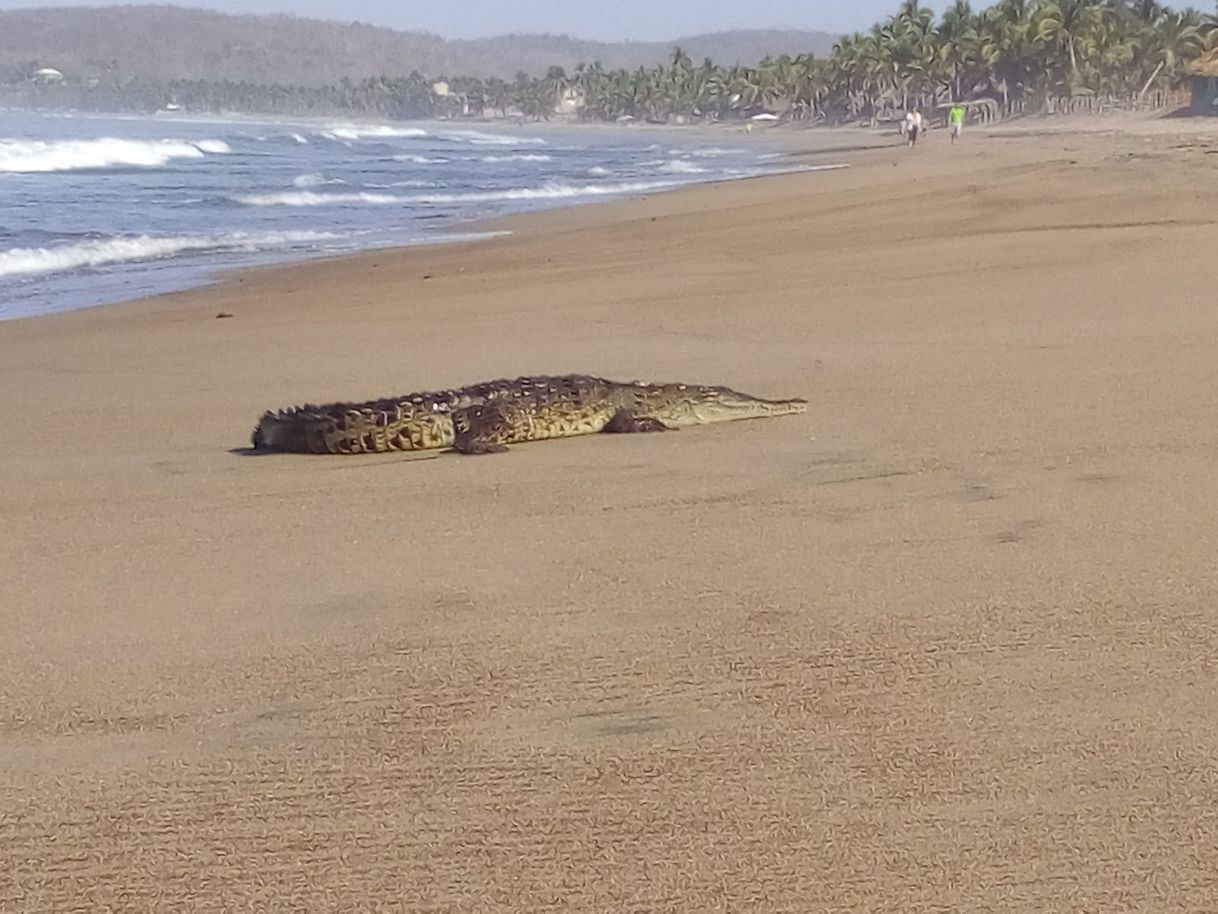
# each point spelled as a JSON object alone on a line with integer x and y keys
{"x": 1204, "y": 73}
{"x": 1206, "y": 65}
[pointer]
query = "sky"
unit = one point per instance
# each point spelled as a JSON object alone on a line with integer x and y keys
{"x": 605, "y": 20}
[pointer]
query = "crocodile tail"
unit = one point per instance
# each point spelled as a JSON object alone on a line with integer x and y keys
{"x": 281, "y": 431}
{"x": 356, "y": 428}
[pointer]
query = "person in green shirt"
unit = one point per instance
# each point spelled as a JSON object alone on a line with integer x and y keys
{"x": 955, "y": 121}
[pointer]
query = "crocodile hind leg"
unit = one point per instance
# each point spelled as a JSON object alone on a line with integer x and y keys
{"x": 624, "y": 421}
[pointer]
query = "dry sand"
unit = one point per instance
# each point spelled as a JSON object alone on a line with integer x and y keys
{"x": 948, "y": 642}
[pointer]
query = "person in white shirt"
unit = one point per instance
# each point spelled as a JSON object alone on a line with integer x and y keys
{"x": 913, "y": 126}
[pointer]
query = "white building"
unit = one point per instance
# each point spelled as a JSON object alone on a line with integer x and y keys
{"x": 570, "y": 101}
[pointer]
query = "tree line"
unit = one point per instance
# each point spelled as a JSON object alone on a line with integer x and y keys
{"x": 1015, "y": 52}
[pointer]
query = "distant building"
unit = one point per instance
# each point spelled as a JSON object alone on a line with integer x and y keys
{"x": 47, "y": 76}
{"x": 1204, "y": 75}
{"x": 454, "y": 104}
{"x": 570, "y": 100}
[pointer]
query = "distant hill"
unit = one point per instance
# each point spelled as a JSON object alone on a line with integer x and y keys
{"x": 167, "y": 42}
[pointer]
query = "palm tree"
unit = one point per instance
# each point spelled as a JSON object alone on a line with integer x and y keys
{"x": 912, "y": 15}
{"x": 959, "y": 45}
{"x": 809, "y": 84}
{"x": 498, "y": 94}
{"x": 553, "y": 87}
{"x": 1176, "y": 39}
{"x": 1147, "y": 12}
{"x": 1109, "y": 56}
{"x": 1006, "y": 48}
{"x": 1012, "y": 49}
{"x": 1065, "y": 24}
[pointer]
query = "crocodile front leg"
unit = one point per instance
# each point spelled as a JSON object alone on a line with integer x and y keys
{"x": 624, "y": 422}
{"x": 482, "y": 429}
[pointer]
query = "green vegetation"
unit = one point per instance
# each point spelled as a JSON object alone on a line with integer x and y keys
{"x": 1015, "y": 53}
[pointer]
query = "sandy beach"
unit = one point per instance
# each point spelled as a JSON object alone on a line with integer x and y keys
{"x": 947, "y": 642}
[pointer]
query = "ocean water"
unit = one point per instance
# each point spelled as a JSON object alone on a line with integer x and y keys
{"x": 95, "y": 210}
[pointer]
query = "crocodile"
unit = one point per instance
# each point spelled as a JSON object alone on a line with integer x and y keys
{"x": 485, "y": 418}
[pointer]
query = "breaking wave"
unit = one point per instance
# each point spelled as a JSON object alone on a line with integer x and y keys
{"x": 519, "y": 157}
{"x": 405, "y": 184}
{"x": 710, "y": 152}
{"x": 553, "y": 191}
{"x": 315, "y": 180}
{"x": 478, "y": 138}
{"x": 26, "y": 261}
{"x": 371, "y": 131}
{"x": 419, "y": 160}
{"x": 312, "y": 198}
{"x": 682, "y": 167}
{"x": 550, "y": 191}
{"x": 106, "y": 152}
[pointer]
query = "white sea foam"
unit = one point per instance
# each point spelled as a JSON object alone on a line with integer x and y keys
{"x": 105, "y": 152}
{"x": 419, "y": 160}
{"x": 371, "y": 131}
{"x": 312, "y": 198}
{"x": 599, "y": 171}
{"x": 25, "y": 261}
{"x": 549, "y": 191}
{"x": 315, "y": 180}
{"x": 478, "y": 138}
{"x": 710, "y": 152}
{"x": 552, "y": 191}
{"x": 455, "y": 237}
{"x": 522, "y": 157}
{"x": 682, "y": 167}
{"x": 404, "y": 184}
{"x": 299, "y": 139}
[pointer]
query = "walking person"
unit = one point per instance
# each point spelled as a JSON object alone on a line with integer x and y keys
{"x": 955, "y": 121}
{"x": 913, "y": 126}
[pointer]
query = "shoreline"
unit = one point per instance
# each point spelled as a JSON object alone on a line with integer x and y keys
{"x": 791, "y": 147}
{"x": 460, "y": 228}
{"x": 948, "y": 619}
{"x": 792, "y": 144}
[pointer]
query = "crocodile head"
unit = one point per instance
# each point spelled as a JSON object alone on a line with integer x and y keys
{"x": 679, "y": 405}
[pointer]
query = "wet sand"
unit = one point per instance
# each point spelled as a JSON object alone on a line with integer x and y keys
{"x": 948, "y": 642}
